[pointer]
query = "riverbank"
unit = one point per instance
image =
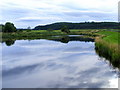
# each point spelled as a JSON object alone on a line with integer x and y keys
{"x": 108, "y": 46}
{"x": 44, "y": 34}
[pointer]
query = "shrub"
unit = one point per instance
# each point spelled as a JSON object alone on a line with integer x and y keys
{"x": 65, "y": 29}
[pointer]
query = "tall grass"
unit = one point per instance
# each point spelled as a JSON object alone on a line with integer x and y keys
{"x": 108, "y": 50}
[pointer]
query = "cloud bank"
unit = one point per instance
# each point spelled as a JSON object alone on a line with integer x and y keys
{"x": 24, "y": 13}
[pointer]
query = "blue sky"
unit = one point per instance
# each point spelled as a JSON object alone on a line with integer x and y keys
{"x": 24, "y": 13}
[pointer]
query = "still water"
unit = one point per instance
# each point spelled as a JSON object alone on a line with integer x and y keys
{"x": 52, "y": 64}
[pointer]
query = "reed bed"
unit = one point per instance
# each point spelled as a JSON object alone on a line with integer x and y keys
{"x": 108, "y": 50}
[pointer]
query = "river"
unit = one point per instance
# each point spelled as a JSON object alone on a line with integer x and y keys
{"x": 55, "y": 64}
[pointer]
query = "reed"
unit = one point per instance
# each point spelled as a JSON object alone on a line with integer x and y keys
{"x": 108, "y": 50}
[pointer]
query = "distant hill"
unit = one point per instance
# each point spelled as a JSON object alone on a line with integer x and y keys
{"x": 86, "y": 25}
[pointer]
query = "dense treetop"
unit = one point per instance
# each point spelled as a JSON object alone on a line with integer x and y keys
{"x": 8, "y": 27}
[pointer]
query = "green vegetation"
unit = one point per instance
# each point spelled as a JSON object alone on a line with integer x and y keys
{"x": 106, "y": 41}
{"x": 111, "y": 37}
{"x": 65, "y": 29}
{"x": 8, "y": 27}
{"x": 84, "y": 25}
{"x": 37, "y": 34}
{"x": 108, "y": 46}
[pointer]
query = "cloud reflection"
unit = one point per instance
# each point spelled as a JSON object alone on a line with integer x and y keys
{"x": 49, "y": 66}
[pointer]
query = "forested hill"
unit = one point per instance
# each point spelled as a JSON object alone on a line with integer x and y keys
{"x": 86, "y": 25}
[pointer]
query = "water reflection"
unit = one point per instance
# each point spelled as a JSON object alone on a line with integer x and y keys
{"x": 114, "y": 63}
{"x": 66, "y": 39}
{"x": 52, "y": 64}
{"x": 9, "y": 42}
{"x": 62, "y": 39}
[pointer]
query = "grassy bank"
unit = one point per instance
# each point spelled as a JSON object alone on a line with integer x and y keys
{"x": 108, "y": 46}
{"x": 39, "y": 34}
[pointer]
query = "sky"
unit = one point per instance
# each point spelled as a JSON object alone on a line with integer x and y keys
{"x": 25, "y": 13}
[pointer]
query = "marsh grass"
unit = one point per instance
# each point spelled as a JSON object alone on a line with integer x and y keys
{"x": 108, "y": 50}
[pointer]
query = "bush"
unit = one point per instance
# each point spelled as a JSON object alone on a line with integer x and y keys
{"x": 65, "y": 29}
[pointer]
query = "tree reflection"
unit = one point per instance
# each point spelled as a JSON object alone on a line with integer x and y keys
{"x": 9, "y": 42}
{"x": 65, "y": 39}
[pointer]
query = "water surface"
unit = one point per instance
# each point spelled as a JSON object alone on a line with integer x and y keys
{"x": 53, "y": 64}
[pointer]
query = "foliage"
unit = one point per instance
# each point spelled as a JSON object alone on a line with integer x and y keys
{"x": 65, "y": 29}
{"x": 9, "y": 27}
{"x": 86, "y": 25}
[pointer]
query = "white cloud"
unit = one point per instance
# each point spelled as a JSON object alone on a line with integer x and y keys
{"x": 34, "y": 12}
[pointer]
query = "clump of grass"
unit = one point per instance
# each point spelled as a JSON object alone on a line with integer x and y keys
{"x": 108, "y": 50}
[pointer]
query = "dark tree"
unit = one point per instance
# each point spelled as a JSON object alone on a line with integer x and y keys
{"x": 9, "y": 27}
{"x": 65, "y": 29}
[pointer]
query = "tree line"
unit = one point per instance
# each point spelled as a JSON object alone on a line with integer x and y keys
{"x": 63, "y": 26}
{"x": 85, "y": 25}
{"x": 10, "y": 27}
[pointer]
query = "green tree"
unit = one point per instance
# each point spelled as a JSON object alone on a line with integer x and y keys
{"x": 65, "y": 29}
{"x": 9, "y": 27}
